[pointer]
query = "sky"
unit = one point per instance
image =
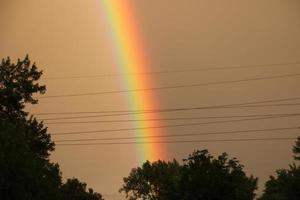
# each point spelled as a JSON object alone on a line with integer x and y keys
{"x": 187, "y": 40}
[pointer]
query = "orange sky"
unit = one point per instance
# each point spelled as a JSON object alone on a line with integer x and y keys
{"x": 67, "y": 38}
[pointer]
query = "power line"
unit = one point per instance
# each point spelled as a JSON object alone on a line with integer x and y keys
{"x": 85, "y": 112}
{"x": 172, "y": 87}
{"x": 175, "y": 109}
{"x": 163, "y": 110}
{"x": 177, "y": 135}
{"x": 137, "y": 113}
{"x": 172, "y": 119}
{"x": 172, "y": 71}
{"x": 165, "y": 126}
{"x": 181, "y": 141}
{"x": 155, "y": 111}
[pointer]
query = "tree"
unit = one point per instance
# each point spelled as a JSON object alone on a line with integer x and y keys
{"x": 18, "y": 84}
{"x": 26, "y": 172}
{"x": 296, "y": 150}
{"x": 207, "y": 178}
{"x": 158, "y": 180}
{"x": 286, "y": 184}
{"x": 200, "y": 177}
{"x": 25, "y": 144}
{"x": 23, "y": 174}
{"x": 73, "y": 189}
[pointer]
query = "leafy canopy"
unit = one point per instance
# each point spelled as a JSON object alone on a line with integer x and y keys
{"x": 25, "y": 144}
{"x": 23, "y": 173}
{"x": 18, "y": 84}
{"x": 200, "y": 177}
{"x": 296, "y": 150}
{"x": 286, "y": 184}
{"x": 73, "y": 189}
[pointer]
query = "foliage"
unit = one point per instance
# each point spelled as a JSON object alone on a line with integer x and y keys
{"x": 25, "y": 144}
{"x": 207, "y": 178}
{"x": 296, "y": 149}
{"x": 200, "y": 177}
{"x": 158, "y": 180}
{"x": 18, "y": 84}
{"x": 286, "y": 184}
{"x": 23, "y": 174}
{"x": 73, "y": 189}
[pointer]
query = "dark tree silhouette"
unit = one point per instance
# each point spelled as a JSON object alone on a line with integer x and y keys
{"x": 73, "y": 189}
{"x": 296, "y": 149}
{"x": 158, "y": 180}
{"x": 286, "y": 184}
{"x": 200, "y": 177}
{"x": 23, "y": 174}
{"x": 207, "y": 178}
{"x": 18, "y": 84}
{"x": 25, "y": 145}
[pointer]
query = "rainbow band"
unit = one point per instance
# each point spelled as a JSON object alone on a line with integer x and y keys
{"x": 130, "y": 57}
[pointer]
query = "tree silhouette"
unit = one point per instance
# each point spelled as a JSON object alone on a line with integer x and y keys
{"x": 205, "y": 177}
{"x": 73, "y": 189}
{"x": 18, "y": 84}
{"x": 158, "y": 180}
{"x": 200, "y": 177}
{"x": 286, "y": 184}
{"x": 296, "y": 149}
{"x": 23, "y": 174}
{"x": 25, "y": 145}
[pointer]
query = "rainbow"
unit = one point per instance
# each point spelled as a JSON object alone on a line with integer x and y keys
{"x": 129, "y": 55}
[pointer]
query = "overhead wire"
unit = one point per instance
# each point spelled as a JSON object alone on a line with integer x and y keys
{"x": 165, "y": 110}
{"x": 126, "y": 112}
{"x": 172, "y": 71}
{"x": 180, "y": 141}
{"x": 165, "y": 126}
{"x": 172, "y": 87}
{"x": 137, "y": 113}
{"x": 177, "y": 135}
{"x": 172, "y": 119}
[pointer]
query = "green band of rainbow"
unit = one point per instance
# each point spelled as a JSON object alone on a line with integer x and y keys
{"x": 130, "y": 57}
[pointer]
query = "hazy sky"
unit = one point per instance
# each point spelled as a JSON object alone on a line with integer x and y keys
{"x": 69, "y": 38}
